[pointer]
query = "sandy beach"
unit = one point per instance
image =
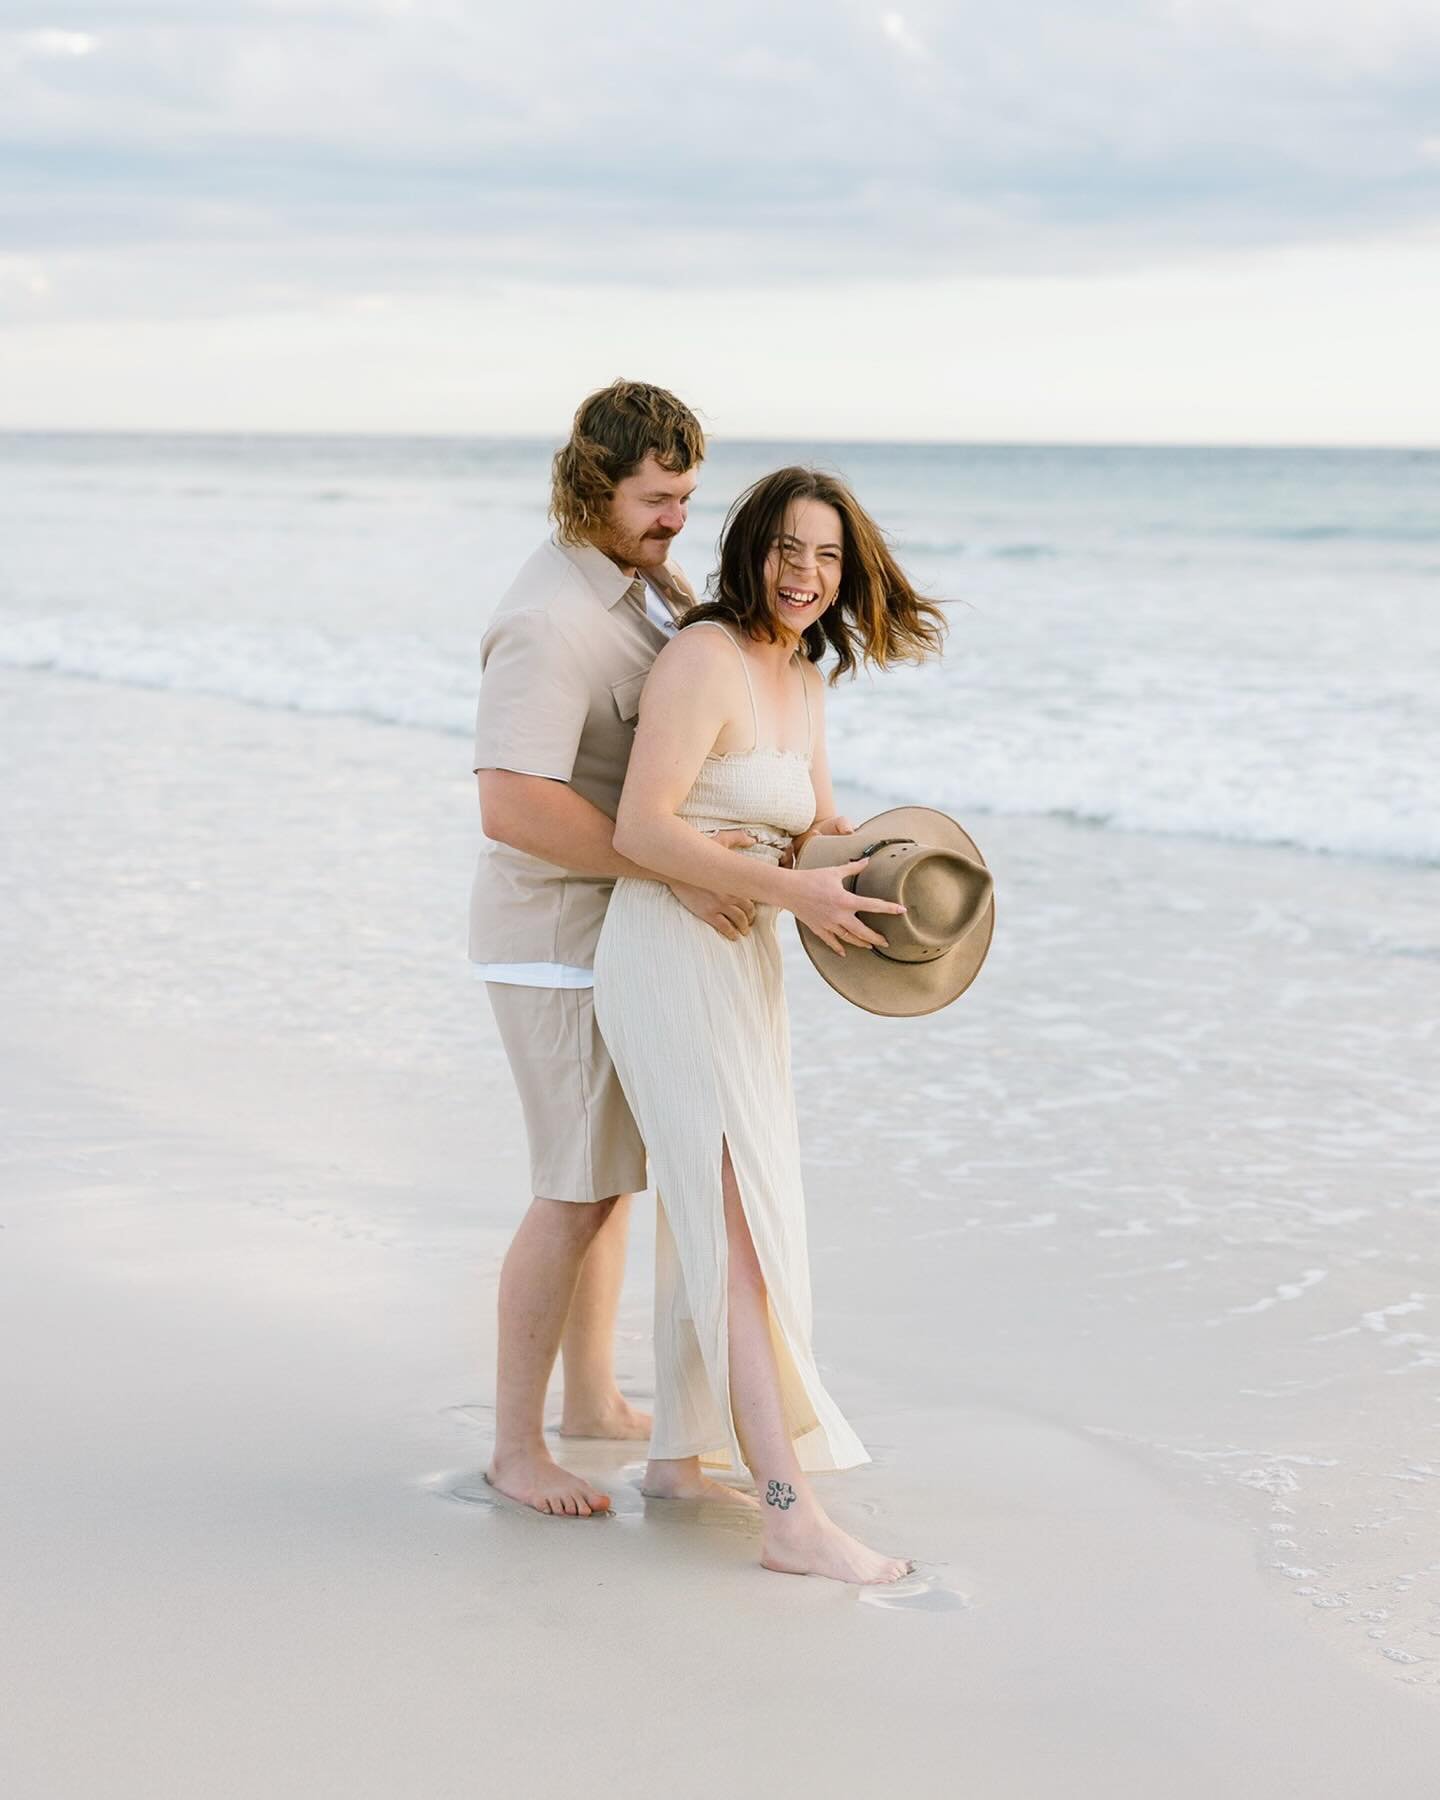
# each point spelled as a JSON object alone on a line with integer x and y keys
{"x": 1122, "y": 1272}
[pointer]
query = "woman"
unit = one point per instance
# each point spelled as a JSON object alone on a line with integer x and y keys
{"x": 731, "y": 734}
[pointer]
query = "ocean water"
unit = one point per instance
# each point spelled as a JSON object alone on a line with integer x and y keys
{"x": 1240, "y": 644}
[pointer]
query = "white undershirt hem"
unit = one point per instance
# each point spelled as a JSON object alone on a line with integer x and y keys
{"x": 534, "y": 974}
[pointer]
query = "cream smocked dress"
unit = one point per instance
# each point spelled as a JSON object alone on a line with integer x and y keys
{"x": 700, "y": 1037}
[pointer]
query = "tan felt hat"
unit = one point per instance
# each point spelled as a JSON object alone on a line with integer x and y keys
{"x": 934, "y": 949}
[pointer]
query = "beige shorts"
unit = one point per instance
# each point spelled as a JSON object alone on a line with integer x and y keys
{"x": 584, "y": 1144}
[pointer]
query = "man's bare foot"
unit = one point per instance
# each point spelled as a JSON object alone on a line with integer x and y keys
{"x": 616, "y": 1418}
{"x": 535, "y": 1479}
{"x": 811, "y": 1544}
{"x": 681, "y": 1480}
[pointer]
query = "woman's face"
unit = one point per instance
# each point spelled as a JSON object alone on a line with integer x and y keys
{"x": 802, "y": 566}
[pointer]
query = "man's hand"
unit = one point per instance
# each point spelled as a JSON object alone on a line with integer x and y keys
{"x": 724, "y": 913}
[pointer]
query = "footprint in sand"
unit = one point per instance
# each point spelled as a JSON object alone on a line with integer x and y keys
{"x": 472, "y": 1489}
{"x": 917, "y": 1592}
{"x": 470, "y": 1413}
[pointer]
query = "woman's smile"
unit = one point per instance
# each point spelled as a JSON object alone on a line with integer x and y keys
{"x": 802, "y": 569}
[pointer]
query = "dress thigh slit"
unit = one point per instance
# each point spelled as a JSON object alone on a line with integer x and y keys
{"x": 697, "y": 1028}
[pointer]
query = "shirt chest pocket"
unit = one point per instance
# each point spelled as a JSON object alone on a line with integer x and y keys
{"x": 626, "y": 694}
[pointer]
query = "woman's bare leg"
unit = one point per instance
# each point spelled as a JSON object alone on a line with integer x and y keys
{"x": 594, "y": 1405}
{"x": 797, "y": 1536}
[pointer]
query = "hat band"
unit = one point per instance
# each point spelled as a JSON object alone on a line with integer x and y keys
{"x": 869, "y": 851}
{"x": 911, "y": 962}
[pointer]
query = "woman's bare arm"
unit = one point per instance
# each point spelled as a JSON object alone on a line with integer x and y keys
{"x": 827, "y": 822}
{"x": 693, "y": 691}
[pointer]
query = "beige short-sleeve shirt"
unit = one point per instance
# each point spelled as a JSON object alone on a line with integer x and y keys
{"x": 562, "y": 665}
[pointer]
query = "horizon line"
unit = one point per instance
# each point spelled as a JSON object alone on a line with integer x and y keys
{"x": 547, "y": 440}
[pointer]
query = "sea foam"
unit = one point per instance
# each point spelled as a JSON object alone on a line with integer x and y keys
{"x": 1120, "y": 745}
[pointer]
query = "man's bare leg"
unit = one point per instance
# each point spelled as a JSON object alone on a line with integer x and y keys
{"x": 594, "y": 1406}
{"x": 537, "y": 1283}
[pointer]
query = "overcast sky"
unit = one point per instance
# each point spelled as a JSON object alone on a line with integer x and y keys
{"x": 1142, "y": 220}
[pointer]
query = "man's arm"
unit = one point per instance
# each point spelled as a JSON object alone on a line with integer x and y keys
{"x": 550, "y": 820}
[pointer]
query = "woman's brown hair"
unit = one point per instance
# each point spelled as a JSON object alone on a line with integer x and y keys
{"x": 615, "y": 429}
{"x": 876, "y": 617}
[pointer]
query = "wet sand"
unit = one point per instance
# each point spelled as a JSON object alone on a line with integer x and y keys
{"x": 251, "y": 1552}
{"x": 261, "y": 1166}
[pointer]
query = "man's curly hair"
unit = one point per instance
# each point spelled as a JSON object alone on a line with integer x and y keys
{"x": 615, "y": 429}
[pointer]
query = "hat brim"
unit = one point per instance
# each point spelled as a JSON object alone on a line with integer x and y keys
{"x": 891, "y": 989}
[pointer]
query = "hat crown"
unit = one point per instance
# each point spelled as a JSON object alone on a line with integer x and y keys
{"x": 945, "y": 896}
{"x": 933, "y": 951}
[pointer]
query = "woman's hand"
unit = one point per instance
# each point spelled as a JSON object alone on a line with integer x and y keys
{"x": 819, "y": 898}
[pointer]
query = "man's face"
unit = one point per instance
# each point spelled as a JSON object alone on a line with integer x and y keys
{"x": 646, "y": 511}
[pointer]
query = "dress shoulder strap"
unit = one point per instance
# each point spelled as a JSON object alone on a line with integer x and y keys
{"x": 745, "y": 670}
{"x": 805, "y": 696}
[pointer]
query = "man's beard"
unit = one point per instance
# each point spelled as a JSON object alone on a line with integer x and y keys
{"x": 632, "y": 549}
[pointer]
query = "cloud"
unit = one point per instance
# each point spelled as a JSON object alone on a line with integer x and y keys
{"x": 59, "y": 43}
{"x": 1351, "y": 39}
{"x": 899, "y": 33}
{"x": 202, "y": 152}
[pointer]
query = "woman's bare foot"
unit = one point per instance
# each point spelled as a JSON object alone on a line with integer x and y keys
{"x": 805, "y": 1542}
{"x": 680, "y": 1479}
{"x": 616, "y": 1418}
{"x": 535, "y": 1479}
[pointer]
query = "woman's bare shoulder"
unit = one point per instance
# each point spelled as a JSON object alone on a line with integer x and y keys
{"x": 695, "y": 650}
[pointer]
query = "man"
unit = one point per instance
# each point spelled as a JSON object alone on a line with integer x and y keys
{"x": 563, "y": 663}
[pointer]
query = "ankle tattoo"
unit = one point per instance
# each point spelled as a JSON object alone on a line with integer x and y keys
{"x": 781, "y": 1494}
